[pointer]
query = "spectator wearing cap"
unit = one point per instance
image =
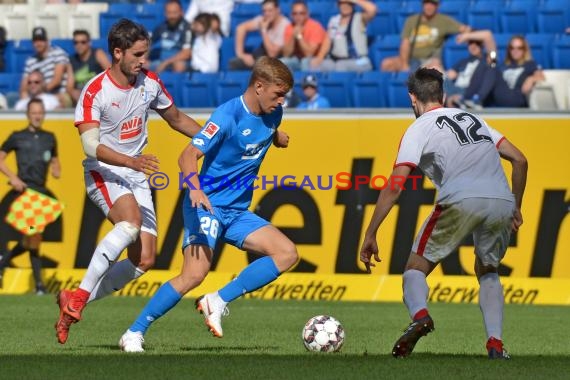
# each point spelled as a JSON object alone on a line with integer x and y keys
{"x": 423, "y": 36}
{"x": 52, "y": 62}
{"x": 84, "y": 64}
{"x": 303, "y": 39}
{"x": 311, "y": 91}
{"x": 171, "y": 42}
{"x": 36, "y": 89}
{"x": 347, "y": 45}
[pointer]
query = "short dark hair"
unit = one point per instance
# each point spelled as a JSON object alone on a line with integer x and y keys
{"x": 82, "y": 32}
{"x": 34, "y": 100}
{"x": 427, "y": 85}
{"x": 124, "y": 33}
{"x": 274, "y": 2}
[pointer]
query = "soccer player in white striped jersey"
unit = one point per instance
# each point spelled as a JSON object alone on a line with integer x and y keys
{"x": 460, "y": 154}
{"x": 111, "y": 117}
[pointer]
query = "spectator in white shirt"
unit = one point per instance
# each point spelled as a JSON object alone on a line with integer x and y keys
{"x": 223, "y": 8}
{"x": 36, "y": 89}
{"x": 206, "y": 45}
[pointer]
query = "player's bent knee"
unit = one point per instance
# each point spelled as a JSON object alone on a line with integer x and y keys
{"x": 288, "y": 257}
{"x": 130, "y": 229}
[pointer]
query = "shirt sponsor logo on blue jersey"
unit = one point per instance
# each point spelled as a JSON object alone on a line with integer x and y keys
{"x": 252, "y": 151}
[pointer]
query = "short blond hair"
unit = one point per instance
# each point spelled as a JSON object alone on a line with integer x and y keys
{"x": 271, "y": 71}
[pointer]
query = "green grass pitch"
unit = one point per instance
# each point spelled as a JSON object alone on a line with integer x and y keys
{"x": 263, "y": 341}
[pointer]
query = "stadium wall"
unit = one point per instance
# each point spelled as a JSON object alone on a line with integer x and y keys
{"x": 330, "y": 156}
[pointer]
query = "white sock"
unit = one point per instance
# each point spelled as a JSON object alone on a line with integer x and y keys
{"x": 415, "y": 291}
{"x": 116, "y": 278}
{"x": 491, "y": 301}
{"x": 106, "y": 253}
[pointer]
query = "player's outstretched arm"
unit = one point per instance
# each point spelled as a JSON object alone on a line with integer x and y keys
{"x": 188, "y": 164}
{"x": 179, "y": 121}
{"x": 386, "y": 200}
{"x": 519, "y": 164}
{"x": 89, "y": 132}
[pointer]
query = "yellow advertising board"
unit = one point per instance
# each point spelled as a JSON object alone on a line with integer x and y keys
{"x": 329, "y": 159}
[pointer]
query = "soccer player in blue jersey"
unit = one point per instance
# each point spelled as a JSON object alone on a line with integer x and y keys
{"x": 233, "y": 142}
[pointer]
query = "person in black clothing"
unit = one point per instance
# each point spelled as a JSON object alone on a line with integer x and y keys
{"x": 36, "y": 152}
{"x": 85, "y": 63}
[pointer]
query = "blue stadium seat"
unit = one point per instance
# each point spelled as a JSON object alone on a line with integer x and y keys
{"x": 337, "y": 91}
{"x": 517, "y": 20}
{"x": 397, "y": 91}
{"x": 173, "y": 83}
{"x": 122, "y": 9}
{"x": 561, "y": 53}
{"x": 230, "y": 85}
{"x": 10, "y": 82}
{"x": 541, "y": 48}
{"x": 227, "y": 51}
{"x": 455, "y": 9}
{"x": 406, "y": 10}
{"x": 320, "y": 11}
{"x": 241, "y": 13}
{"x": 106, "y": 21}
{"x": 64, "y": 43}
{"x": 199, "y": 90}
{"x": 149, "y": 20}
{"x": 384, "y": 47}
{"x": 484, "y": 15}
{"x": 20, "y": 51}
{"x": 502, "y": 41}
{"x": 383, "y": 23}
{"x": 552, "y": 20}
{"x": 453, "y": 52}
{"x": 369, "y": 91}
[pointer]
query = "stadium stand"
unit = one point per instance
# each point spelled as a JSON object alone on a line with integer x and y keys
{"x": 542, "y": 22}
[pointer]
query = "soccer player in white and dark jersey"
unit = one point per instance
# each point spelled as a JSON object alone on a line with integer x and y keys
{"x": 233, "y": 143}
{"x": 460, "y": 154}
{"x": 111, "y": 117}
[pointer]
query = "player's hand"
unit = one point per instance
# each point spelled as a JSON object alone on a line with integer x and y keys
{"x": 199, "y": 199}
{"x": 146, "y": 163}
{"x": 517, "y": 220}
{"x": 18, "y": 184}
{"x": 281, "y": 139}
{"x": 369, "y": 249}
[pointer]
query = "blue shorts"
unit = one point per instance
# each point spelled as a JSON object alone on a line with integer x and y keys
{"x": 203, "y": 228}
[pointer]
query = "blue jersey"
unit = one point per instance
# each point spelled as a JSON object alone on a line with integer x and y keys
{"x": 234, "y": 142}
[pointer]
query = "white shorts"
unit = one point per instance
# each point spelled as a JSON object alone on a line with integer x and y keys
{"x": 105, "y": 184}
{"x": 489, "y": 220}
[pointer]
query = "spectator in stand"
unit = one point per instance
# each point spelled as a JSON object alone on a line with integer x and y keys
{"x": 206, "y": 45}
{"x": 423, "y": 37}
{"x": 223, "y": 8}
{"x": 347, "y": 45}
{"x": 85, "y": 63}
{"x": 311, "y": 91}
{"x": 36, "y": 89}
{"x": 271, "y": 24}
{"x": 53, "y": 63}
{"x": 459, "y": 77}
{"x": 171, "y": 42}
{"x": 508, "y": 84}
{"x": 303, "y": 39}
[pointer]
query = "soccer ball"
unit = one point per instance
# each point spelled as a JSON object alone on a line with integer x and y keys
{"x": 323, "y": 333}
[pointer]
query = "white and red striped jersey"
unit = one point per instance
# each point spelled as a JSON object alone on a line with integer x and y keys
{"x": 121, "y": 112}
{"x": 458, "y": 152}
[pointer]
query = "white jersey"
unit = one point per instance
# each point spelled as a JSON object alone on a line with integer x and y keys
{"x": 121, "y": 112}
{"x": 458, "y": 152}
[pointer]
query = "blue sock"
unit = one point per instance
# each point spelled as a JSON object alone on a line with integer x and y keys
{"x": 257, "y": 274}
{"x": 163, "y": 300}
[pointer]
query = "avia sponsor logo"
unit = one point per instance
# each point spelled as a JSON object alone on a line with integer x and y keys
{"x": 131, "y": 128}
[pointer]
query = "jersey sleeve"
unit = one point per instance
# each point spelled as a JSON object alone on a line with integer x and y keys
{"x": 411, "y": 147}
{"x": 212, "y": 133}
{"x": 496, "y": 136}
{"x": 88, "y": 109}
{"x": 9, "y": 145}
{"x": 163, "y": 99}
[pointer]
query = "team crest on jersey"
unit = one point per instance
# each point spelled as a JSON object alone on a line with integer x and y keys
{"x": 145, "y": 95}
{"x": 210, "y": 130}
{"x": 131, "y": 128}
